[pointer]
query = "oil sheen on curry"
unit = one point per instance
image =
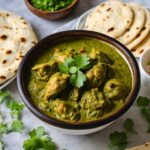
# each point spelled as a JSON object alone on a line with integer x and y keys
{"x": 80, "y": 80}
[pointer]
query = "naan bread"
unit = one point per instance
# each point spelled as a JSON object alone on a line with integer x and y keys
{"x": 143, "y": 34}
{"x": 143, "y": 46}
{"x": 16, "y": 38}
{"x": 112, "y": 18}
{"x": 146, "y": 146}
{"x": 136, "y": 26}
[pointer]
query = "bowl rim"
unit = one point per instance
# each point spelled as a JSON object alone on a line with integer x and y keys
{"x": 54, "y": 12}
{"x": 81, "y": 125}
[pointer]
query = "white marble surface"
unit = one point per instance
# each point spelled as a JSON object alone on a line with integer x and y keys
{"x": 97, "y": 141}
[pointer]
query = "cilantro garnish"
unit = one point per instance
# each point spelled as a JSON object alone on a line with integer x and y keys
{"x": 74, "y": 67}
{"x": 17, "y": 126}
{"x": 3, "y": 95}
{"x": 146, "y": 113}
{"x": 129, "y": 126}
{"x": 15, "y": 107}
{"x": 143, "y": 101}
{"x": 1, "y": 119}
{"x": 3, "y": 129}
{"x": 118, "y": 140}
{"x": 39, "y": 140}
{"x": 1, "y": 145}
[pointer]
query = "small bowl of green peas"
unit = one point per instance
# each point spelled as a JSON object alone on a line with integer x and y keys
{"x": 51, "y": 9}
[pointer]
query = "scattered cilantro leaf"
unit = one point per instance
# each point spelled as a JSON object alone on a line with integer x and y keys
{"x": 82, "y": 61}
{"x": 146, "y": 113}
{"x": 39, "y": 132}
{"x": 3, "y": 129}
{"x": 15, "y": 108}
{"x": 39, "y": 140}
{"x": 1, "y": 118}
{"x": 143, "y": 101}
{"x": 74, "y": 67}
{"x": 129, "y": 126}
{"x": 17, "y": 126}
{"x": 148, "y": 63}
{"x": 1, "y": 145}
{"x": 3, "y": 95}
{"x": 118, "y": 140}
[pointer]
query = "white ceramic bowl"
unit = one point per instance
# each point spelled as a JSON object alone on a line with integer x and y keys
{"x": 145, "y": 77}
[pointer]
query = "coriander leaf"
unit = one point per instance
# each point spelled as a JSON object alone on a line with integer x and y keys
{"x": 15, "y": 108}
{"x": 82, "y": 61}
{"x": 129, "y": 125}
{"x": 1, "y": 145}
{"x": 73, "y": 69}
{"x": 78, "y": 79}
{"x": 118, "y": 140}
{"x": 1, "y": 119}
{"x": 3, "y": 95}
{"x": 3, "y": 129}
{"x": 143, "y": 101}
{"x": 73, "y": 79}
{"x": 17, "y": 126}
{"x": 146, "y": 114}
{"x": 39, "y": 132}
{"x": 64, "y": 67}
{"x": 39, "y": 140}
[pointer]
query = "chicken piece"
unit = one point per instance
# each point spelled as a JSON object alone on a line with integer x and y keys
{"x": 74, "y": 94}
{"x": 63, "y": 110}
{"x": 115, "y": 89}
{"x": 60, "y": 56}
{"x": 44, "y": 71}
{"x": 98, "y": 56}
{"x": 96, "y": 76}
{"x": 56, "y": 84}
{"x": 92, "y": 104}
{"x": 92, "y": 99}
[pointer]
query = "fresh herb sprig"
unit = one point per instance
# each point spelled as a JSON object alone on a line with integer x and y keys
{"x": 4, "y": 95}
{"x": 75, "y": 66}
{"x": 129, "y": 126}
{"x": 39, "y": 140}
{"x": 143, "y": 103}
{"x": 1, "y": 145}
{"x": 119, "y": 140}
{"x": 15, "y": 111}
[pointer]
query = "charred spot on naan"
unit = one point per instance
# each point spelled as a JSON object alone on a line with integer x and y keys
{"x": 2, "y": 77}
{"x": 23, "y": 40}
{"x": 110, "y": 29}
{"x": 108, "y": 9}
{"x": 3, "y": 37}
{"x": 4, "y": 61}
{"x": 8, "y": 51}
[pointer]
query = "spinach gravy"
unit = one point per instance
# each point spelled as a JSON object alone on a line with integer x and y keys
{"x": 80, "y": 80}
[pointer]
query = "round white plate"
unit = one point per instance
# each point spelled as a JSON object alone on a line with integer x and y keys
{"x": 2, "y": 86}
{"x": 81, "y": 21}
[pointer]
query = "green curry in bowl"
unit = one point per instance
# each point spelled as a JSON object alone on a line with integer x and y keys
{"x": 80, "y": 80}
